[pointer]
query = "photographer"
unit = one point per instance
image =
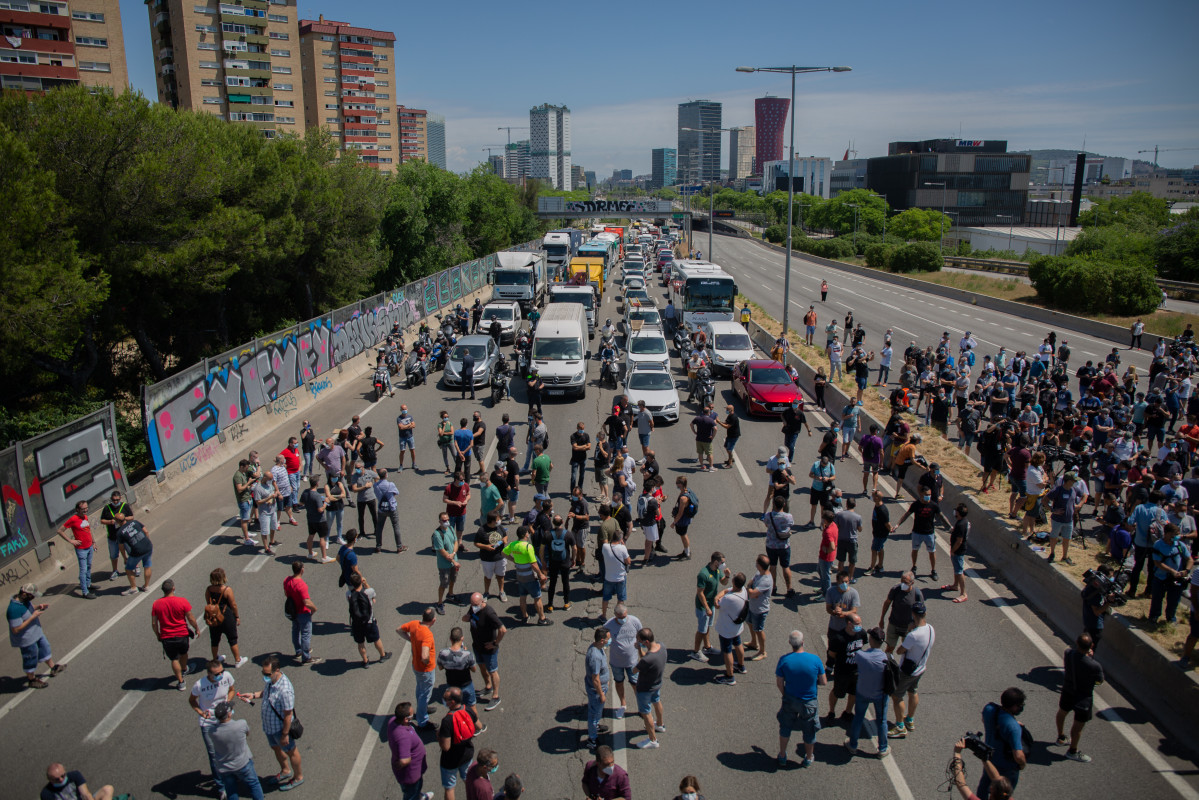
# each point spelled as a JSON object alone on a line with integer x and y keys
{"x": 1095, "y": 606}
{"x": 1005, "y": 737}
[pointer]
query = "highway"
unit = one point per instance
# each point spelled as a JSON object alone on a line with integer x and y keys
{"x": 112, "y": 715}
{"x": 878, "y": 305}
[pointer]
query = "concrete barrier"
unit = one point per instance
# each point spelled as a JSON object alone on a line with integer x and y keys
{"x": 1054, "y": 319}
{"x": 1131, "y": 659}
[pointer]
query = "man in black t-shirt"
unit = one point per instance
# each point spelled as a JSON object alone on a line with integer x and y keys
{"x": 704, "y": 427}
{"x": 732, "y": 432}
{"x": 580, "y": 445}
{"x": 478, "y": 431}
{"x": 1081, "y": 674}
{"x": 958, "y": 538}
{"x": 114, "y": 508}
{"x": 512, "y": 476}
{"x": 491, "y": 554}
{"x": 456, "y": 736}
{"x": 616, "y": 429}
{"x": 580, "y": 524}
{"x": 70, "y": 785}
{"x": 924, "y": 512}
{"x": 136, "y": 541}
{"x": 486, "y": 633}
{"x": 880, "y": 529}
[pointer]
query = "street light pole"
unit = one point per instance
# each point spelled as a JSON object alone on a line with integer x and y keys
{"x": 793, "y": 71}
{"x": 711, "y": 191}
{"x": 854, "y": 206}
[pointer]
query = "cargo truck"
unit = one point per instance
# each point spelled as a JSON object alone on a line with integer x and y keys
{"x": 560, "y": 247}
{"x": 520, "y": 275}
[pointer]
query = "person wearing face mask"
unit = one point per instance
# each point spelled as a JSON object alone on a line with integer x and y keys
{"x": 278, "y": 713}
{"x": 900, "y": 600}
{"x": 408, "y": 763}
{"x": 478, "y": 778}
{"x": 445, "y": 546}
{"x": 794, "y": 421}
{"x": 841, "y": 602}
{"x": 596, "y": 682}
{"x": 1172, "y": 563}
{"x": 924, "y": 512}
{"x": 1006, "y": 738}
{"x": 603, "y": 779}
{"x": 845, "y": 670}
{"x": 913, "y": 659}
{"x": 62, "y": 784}
{"x": 689, "y": 785}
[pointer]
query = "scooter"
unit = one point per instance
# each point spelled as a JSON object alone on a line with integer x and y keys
{"x": 380, "y": 383}
{"x": 445, "y": 326}
{"x": 706, "y": 388}
{"x": 499, "y": 381}
{"x": 608, "y": 372}
{"x": 438, "y": 356}
{"x": 682, "y": 342}
{"x": 416, "y": 370}
{"x": 522, "y": 346}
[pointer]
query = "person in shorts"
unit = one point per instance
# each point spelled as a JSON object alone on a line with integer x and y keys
{"x": 1080, "y": 676}
{"x": 491, "y": 556}
{"x": 364, "y": 628}
{"x": 957, "y": 551}
{"x": 174, "y": 625}
{"x": 759, "y": 589}
{"x": 802, "y": 674}
{"x": 778, "y": 543}
{"x": 704, "y": 428}
{"x": 314, "y": 504}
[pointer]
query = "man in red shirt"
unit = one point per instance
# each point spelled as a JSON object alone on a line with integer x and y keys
{"x": 293, "y": 463}
{"x": 80, "y": 537}
{"x": 301, "y": 610}
{"x": 456, "y": 496}
{"x": 173, "y": 624}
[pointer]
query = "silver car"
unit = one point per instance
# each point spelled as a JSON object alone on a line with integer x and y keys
{"x": 485, "y": 353}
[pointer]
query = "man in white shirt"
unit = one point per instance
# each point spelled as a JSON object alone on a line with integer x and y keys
{"x": 616, "y": 573}
{"x": 216, "y": 686}
{"x": 731, "y": 607}
{"x": 913, "y": 659}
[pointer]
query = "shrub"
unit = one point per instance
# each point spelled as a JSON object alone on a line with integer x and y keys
{"x": 1089, "y": 286}
{"x": 917, "y": 257}
{"x": 878, "y": 255}
{"x": 1177, "y": 252}
{"x": 833, "y": 248}
{"x": 776, "y": 234}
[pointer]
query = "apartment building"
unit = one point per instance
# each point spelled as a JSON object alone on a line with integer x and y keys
{"x": 549, "y": 154}
{"x": 414, "y": 133}
{"x": 347, "y": 78}
{"x": 239, "y": 60}
{"x": 435, "y": 133}
{"x": 47, "y": 44}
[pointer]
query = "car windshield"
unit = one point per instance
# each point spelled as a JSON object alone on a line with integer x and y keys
{"x": 647, "y": 345}
{"x": 731, "y": 341}
{"x": 651, "y": 381}
{"x": 650, "y": 317}
{"x": 498, "y": 313}
{"x": 479, "y": 351}
{"x": 634, "y": 282}
{"x": 769, "y": 377}
{"x": 636, "y": 294}
{"x": 557, "y": 349}
{"x": 502, "y": 278}
{"x": 582, "y": 298}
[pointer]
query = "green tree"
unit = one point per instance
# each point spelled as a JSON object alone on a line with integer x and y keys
{"x": 1176, "y": 251}
{"x": 1139, "y": 210}
{"x": 1116, "y": 242}
{"x": 424, "y": 223}
{"x": 837, "y": 215}
{"x": 919, "y": 225}
{"x": 916, "y": 257}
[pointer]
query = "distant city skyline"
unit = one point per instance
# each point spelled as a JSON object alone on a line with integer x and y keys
{"x": 1069, "y": 96}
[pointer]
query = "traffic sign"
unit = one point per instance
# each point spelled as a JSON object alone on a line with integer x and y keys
{"x": 678, "y": 215}
{"x": 724, "y": 214}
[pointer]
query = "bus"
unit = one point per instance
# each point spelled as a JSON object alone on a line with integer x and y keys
{"x": 701, "y": 292}
{"x": 600, "y": 249}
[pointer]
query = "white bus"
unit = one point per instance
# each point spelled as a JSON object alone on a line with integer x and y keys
{"x": 701, "y": 292}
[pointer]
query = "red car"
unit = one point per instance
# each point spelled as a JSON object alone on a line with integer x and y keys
{"x": 765, "y": 387}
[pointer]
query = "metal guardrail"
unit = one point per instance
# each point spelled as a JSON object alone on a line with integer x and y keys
{"x": 1021, "y": 268}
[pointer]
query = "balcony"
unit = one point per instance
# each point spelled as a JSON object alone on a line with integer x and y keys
{"x": 166, "y": 69}
{"x": 166, "y": 55}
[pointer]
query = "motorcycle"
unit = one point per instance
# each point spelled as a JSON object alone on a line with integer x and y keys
{"x": 380, "y": 383}
{"x": 682, "y": 342}
{"x": 608, "y": 372}
{"x": 522, "y": 346}
{"x": 416, "y": 370}
{"x": 706, "y": 387}
{"x": 499, "y": 381}
{"x": 445, "y": 326}
{"x": 438, "y": 356}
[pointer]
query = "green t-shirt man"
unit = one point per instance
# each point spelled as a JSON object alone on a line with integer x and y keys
{"x": 242, "y": 479}
{"x": 491, "y": 499}
{"x": 541, "y": 468}
{"x": 708, "y": 580}
{"x": 444, "y": 539}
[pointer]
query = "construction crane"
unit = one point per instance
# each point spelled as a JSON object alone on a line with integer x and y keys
{"x": 1157, "y": 150}
{"x": 491, "y": 147}
{"x": 511, "y": 128}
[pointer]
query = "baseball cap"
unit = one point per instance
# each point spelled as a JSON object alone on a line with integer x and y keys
{"x": 782, "y": 451}
{"x": 919, "y": 608}
{"x": 30, "y": 588}
{"x": 222, "y": 709}
{"x": 540, "y": 496}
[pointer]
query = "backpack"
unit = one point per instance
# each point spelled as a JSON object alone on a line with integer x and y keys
{"x": 214, "y": 615}
{"x": 692, "y": 504}
{"x": 463, "y": 726}
{"x": 642, "y": 505}
{"x": 743, "y": 615}
{"x": 558, "y": 545}
{"x": 360, "y": 607}
{"x": 289, "y": 609}
{"x": 970, "y": 357}
{"x": 890, "y": 676}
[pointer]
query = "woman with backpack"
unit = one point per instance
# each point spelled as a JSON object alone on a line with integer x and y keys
{"x": 222, "y": 617}
{"x": 649, "y": 512}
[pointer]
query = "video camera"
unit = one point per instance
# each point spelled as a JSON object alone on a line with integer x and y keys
{"x": 976, "y": 743}
{"x": 1112, "y": 588}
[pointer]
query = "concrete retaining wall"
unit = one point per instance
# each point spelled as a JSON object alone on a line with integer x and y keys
{"x": 1141, "y": 667}
{"x": 1053, "y": 319}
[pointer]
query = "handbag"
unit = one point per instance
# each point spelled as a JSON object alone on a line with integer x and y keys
{"x": 890, "y": 677}
{"x": 297, "y": 728}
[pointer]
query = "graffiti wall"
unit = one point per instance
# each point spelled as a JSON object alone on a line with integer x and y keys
{"x": 187, "y": 410}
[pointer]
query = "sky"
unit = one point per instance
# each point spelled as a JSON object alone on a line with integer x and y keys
{"x": 1104, "y": 74}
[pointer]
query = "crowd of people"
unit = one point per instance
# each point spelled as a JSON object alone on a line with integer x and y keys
{"x": 1019, "y": 411}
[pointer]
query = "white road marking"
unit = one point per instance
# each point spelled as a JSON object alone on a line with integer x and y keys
{"x": 256, "y": 563}
{"x": 620, "y": 744}
{"x": 114, "y": 718}
{"x": 79, "y": 649}
{"x": 741, "y": 469}
{"x": 371, "y": 740}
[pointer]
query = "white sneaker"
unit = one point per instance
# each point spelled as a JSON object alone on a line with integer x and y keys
{"x": 503, "y": 597}
{"x": 649, "y": 744}
{"x": 618, "y": 713}
{"x": 221, "y": 658}
{"x": 660, "y": 728}
{"x": 241, "y": 662}
{"x": 341, "y": 540}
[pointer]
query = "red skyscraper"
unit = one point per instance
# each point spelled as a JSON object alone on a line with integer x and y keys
{"x": 770, "y": 118}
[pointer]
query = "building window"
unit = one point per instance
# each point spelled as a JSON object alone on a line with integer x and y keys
{"x": 329, "y": 66}
{"x": 328, "y": 52}
{"x": 204, "y": 10}
{"x": 332, "y": 120}
{"x": 282, "y": 87}
{"x": 227, "y": 27}
{"x": 209, "y": 82}
{"x": 286, "y": 120}
{"x": 278, "y": 35}
{"x": 235, "y": 47}
{"x": 87, "y": 16}
{"x": 10, "y": 57}
{"x": 382, "y": 96}
{"x": 281, "y": 70}
{"x": 51, "y": 8}
{"x": 277, "y": 17}
{"x": 330, "y": 80}
{"x": 382, "y": 83}
{"x": 212, "y": 101}
{"x": 384, "y": 147}
{"x": 280, "y": 52}
{"x": 95, "y": 66}
{"x": 285, "y": 103}
{"x": 91, "y": 41}
{"x": 209, "y": 65}
{"x": 328, "y": 38}
{"x": 330, "y": 106}
{"x": 383, "y": 134}
{"x": 207, "y": 28}
{"x": 206, "y": 45}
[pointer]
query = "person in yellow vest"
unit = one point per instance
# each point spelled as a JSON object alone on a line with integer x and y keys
{"x": 529, "y": 575}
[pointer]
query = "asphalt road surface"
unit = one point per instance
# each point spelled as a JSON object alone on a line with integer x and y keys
{"x": 113, "y": 716}
{"x": 878, "y": 305}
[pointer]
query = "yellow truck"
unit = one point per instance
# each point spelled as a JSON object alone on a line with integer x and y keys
{"x": 587, "y": 270}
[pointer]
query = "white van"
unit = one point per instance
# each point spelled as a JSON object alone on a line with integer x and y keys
{"x": 728, "y": 344}
{"x": 560, "y": 349}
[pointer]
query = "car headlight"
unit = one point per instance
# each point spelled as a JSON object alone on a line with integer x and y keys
{"x": 578, "y": 377}
{"x": 669, "y": 406}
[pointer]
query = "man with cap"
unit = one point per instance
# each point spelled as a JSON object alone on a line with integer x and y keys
{"x": 25, "y": 633}
{"x": 774, "y": 463}
{"x": 913, "y": 658}
{"x": 1063, "y": 499}
{"x": 231, "y": 751}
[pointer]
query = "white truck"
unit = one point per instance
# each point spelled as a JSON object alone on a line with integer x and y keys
{"x": 520, "y": 275}
{"x": 559, "y": 353}
{"x": 583, "y": 295}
